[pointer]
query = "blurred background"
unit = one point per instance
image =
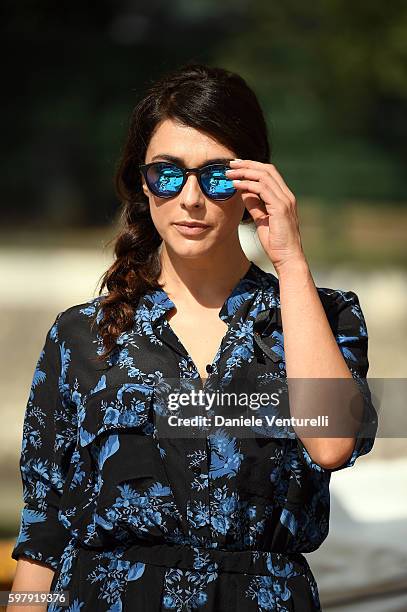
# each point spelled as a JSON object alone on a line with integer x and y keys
{"x": 332, "y": 79}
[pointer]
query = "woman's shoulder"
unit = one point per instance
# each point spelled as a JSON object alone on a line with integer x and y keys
{"x": 336, "y": 300}
{"x": 79, "y": 317}
{"x": 342, "y": 306}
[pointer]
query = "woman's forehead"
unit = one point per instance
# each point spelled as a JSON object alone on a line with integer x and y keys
{"x": 185, "y": 143}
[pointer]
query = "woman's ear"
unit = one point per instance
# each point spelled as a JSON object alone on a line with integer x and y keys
{"x": 144, "y": 186}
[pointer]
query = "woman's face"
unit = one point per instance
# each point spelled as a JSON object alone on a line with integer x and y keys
{"x": 193, "y": 149}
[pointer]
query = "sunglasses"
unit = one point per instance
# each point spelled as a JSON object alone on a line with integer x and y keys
{"x": 166, "y": 179}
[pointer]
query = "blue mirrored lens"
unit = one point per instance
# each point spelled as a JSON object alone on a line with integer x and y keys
{"x": 216, "y": 184}
{"x": 164, "y": 179}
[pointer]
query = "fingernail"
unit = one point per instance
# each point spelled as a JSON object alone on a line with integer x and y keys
{"x": 237, "y": 159}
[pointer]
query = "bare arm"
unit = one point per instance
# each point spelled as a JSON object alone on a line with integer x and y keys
{"x": 30, "y": 576}
{"x": 312, "y": 353}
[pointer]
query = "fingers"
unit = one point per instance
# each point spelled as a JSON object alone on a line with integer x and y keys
{"x": 257, "y": 209}
{"x": 260, "y": 189}
{"x": 281, "y": 182}
{"x": 270, "y": 170}
{"x": 257, "y": 175}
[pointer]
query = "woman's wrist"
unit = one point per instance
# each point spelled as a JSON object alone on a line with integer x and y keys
{"x": 294, "y": 271}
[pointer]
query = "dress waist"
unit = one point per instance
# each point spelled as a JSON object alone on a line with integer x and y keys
{"x": 190, "y": 557}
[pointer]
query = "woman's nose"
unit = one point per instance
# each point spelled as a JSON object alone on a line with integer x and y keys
{"x": 191, "y": 193}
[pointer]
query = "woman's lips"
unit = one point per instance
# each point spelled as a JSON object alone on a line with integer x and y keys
{"x": 187, "y": 230}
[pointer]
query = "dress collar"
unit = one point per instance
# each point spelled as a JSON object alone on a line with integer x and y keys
{"x": 158, "y": 301}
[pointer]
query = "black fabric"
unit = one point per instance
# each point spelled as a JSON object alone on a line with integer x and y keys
{"x": 130, "y": 519}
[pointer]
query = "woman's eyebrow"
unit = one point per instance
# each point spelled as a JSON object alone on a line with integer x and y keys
{"x": 179, "y": 160}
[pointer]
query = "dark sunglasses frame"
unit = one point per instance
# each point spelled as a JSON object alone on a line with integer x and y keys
{"x": 185, "y": 172}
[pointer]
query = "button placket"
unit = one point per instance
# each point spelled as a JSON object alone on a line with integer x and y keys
{"x": 199, "y": 462}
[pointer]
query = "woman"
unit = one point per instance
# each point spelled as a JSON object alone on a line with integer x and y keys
{"x": 128, "y": 518}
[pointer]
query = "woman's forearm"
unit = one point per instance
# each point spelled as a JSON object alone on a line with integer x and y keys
{"x": 30, "y": 576}
{"x": 311, "y": 352}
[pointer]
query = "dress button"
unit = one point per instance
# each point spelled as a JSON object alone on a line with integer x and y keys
{"x": 209, "y": 368}
{"x": 196, "y": 469}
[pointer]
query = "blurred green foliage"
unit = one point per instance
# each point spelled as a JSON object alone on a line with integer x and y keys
{"x": 331, "y": 76}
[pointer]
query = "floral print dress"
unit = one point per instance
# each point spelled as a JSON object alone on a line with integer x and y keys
{"x": 130, "y": 520}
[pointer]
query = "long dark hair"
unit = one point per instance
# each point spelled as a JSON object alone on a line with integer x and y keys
{"x": 213, "y": 100}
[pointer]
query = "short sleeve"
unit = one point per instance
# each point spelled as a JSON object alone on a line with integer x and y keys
{"x": 48, "y": 434}
{"x": 349, "y": 327}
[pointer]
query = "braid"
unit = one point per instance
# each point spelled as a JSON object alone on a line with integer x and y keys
{"x": 136, "y": 269}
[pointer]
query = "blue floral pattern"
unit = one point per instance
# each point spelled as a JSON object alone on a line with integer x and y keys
{"x": 129, "y": 519}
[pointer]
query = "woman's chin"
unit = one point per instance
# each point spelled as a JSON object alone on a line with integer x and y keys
{"x": 190, "y": 249}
